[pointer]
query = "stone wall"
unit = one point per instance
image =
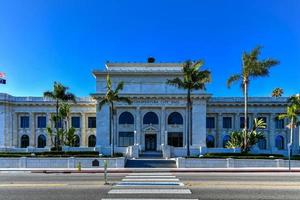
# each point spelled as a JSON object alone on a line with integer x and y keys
{"x": 233, "y": 163}
{"x": 70, "y": 162}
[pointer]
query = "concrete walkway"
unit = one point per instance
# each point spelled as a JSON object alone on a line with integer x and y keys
{"x": 141, "y": 170}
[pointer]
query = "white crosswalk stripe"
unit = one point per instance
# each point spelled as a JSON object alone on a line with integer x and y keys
{"x": 149, "y": 183}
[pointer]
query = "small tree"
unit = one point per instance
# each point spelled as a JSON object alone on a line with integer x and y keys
{"x": 59, "y": 94}
{"x": 237, "y": 138}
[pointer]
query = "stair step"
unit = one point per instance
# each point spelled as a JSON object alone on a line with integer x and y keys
{"x": 150, "y": 163}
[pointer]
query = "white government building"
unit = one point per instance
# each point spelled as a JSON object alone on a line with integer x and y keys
{"x": 155, "y": 119}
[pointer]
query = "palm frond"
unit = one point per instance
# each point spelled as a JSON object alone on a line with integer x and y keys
{"x": 49, "y": 94}
{"x": 124, "y": 99}
{"x": 102, "y": 103}
{"x": 232, "y": 79}
{"x": 177, "y": 82}
{"x": 120, "y": 87}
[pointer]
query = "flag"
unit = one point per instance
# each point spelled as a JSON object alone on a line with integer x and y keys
{"x": 2, "y": 75}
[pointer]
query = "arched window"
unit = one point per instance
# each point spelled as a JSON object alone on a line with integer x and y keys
{"x": 24, "y": 141}
{"x": 150, "y": 118}
{"x": 126, "y": 118}
{"x": 92, "y": 141}
{"x": 76, "y": 141}
{"x": 41, "y": 141}
{"x": 210, "y": 141}
{"x": 279, "y": 142}
{"x": 262, "y": 143}
{"x": 175, "y": 118}
{"x": 226, "y": 138}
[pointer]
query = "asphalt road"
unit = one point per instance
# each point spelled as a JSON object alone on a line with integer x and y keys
{"x": 29, "y": 186}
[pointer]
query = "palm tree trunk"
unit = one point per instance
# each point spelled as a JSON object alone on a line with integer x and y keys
{"x": 189, "y": 123}
{"x": 246, "y": 113}
{"x": 112, "y": 130}
{"x": 56, "y": 141}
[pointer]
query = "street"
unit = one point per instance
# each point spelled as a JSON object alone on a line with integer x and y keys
{"x": 20, "y": 185}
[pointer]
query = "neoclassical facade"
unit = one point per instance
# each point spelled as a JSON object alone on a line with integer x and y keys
{"x": 156, "y": 118}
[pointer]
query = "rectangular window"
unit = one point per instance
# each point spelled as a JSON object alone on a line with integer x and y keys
{"x": 59, "y": 124}
{"x": 75, "y": 121}
{"x": 279, "y": 123}
{"x": 126, "y": 139}
{"x": 175, "y": 139}
{"x": 210, "y": 122}
{"x": 41, "y": 122}
{"x": 24, "y": 121}
{"x": 227, "y": 122}
{"x": 264, "y": 119}
{"x": 242, "y": 122}
{"x": 91, "y": 122}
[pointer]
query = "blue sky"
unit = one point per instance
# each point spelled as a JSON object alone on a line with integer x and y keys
{"x": 44, "y": 41}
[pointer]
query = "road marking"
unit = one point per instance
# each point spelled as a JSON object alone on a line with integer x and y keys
{"x": 129, "y": 176}
{"x": 32, "y": 185}
{"x": 150, "y": 199}
{"x": 150, "y": 179}
{"x": 150, "y": 191}
{"x": 150, "y": 184}
{"x": 150, "y": 174}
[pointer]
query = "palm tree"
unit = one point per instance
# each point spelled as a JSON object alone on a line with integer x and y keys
{"x": 277, "y": 92}
{"x": 59, "y": 94}
{"x": 252, "y": 68}
{"x": 253, "y": 136}
{"x": 193, "y": 79}
{"x": 110, "y": 97}
{"x": 293, "y": 110}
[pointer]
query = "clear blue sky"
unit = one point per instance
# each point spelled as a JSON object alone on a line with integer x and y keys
{"x": 44, "y": 41}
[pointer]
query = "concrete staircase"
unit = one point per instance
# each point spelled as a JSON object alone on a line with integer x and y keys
{"x": 150, "y": 160}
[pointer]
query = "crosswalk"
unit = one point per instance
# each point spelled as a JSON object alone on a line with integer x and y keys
{"x": 148, "y": 185}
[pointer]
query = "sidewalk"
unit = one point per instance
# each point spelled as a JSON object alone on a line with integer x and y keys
{"x": 141, "y": 170}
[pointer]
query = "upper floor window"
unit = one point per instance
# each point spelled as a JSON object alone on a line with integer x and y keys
{"x": 126, "y": 118}
{"x": 279, "y": 123}
{"x": 58, "y": 124}
{"x": 41, "y": 122}
{"x": 91, "y": 122}
{"x": 210, "y": 122}
{"x": 175, "y": 118}
{"x": 242, "y": 122}
{"x": 227, "y": 122}
{"x": 264, "y": 120}
{"x": 75, "y": 122}
{"x": 150, "y": 118}
{"x": 24, "y": 121}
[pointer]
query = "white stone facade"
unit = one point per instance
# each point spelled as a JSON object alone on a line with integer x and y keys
{"x": 145, "y": 84}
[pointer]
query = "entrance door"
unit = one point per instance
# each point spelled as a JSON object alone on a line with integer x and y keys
{"x": 150, "y": 142}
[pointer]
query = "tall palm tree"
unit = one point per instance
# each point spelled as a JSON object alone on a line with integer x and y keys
{"x": 193, "y": 79}
{"x": 110, "y": 97}
{"x": 252, "y": 68}
{"x": 59, "y": 94}
{"x": 277, "y": 92}
{"x": 293, "y": 110}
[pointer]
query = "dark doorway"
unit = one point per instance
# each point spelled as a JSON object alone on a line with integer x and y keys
{"x": 150, "y": 142}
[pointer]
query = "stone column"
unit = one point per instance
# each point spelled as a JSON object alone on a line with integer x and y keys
{"x": 162, "y": 127}
{"x": 199, "y": 124}
{"x": 102, "y": 124}
{"x": 48, "y": 117}
{"x": 15, "y": 135}
{"x": 138, "y": 125}
{"x": 237, "y": 121}
{"x": 83, "y": 130}
{"x": 219, "y": 130}
{"x": 2, "y": 127}
{"x": 32, "y": 129}
{"x": 271, "y": 142}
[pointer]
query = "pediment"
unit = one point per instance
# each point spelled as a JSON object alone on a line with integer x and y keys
{"x": 150, "y": 129}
